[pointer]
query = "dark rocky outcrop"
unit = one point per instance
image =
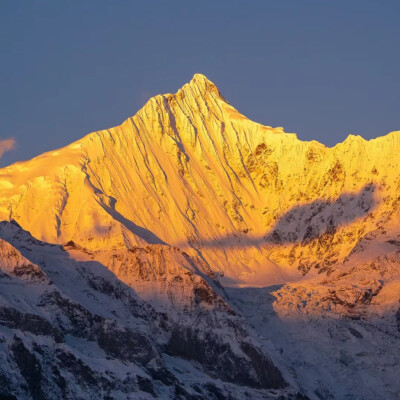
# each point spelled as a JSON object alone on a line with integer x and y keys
{"x": 251, "y": 369}
{"x": 125, "y": 344}
{"x": 30, "y": 368}
{"x": 35, "y": 324}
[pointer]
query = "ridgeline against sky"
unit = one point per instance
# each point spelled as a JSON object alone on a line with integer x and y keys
{"x": 321, "y": 69}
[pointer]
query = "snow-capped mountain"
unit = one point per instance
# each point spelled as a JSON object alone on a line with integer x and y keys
{"x": 191, "y": 253}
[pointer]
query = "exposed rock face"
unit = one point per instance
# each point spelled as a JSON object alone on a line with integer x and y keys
{"x": 217, "y": 355}
{"x": 135, "y": 231}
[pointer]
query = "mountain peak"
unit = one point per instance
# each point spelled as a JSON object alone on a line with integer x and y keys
{"x": 200, "y": 84}
{"x": 201, "y": 79}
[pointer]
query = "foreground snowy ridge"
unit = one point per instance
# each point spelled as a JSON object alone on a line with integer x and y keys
{"x": 70, "y": 329}
{"x": 119, "y": 254}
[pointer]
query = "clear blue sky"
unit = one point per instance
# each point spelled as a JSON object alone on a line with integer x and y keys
{"x": 322, "y": 69}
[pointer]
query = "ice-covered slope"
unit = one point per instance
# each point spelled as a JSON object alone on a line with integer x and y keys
{"x": 189, "y": 170}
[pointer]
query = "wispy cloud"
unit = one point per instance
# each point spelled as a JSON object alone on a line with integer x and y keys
{"x": 6, "y": 145}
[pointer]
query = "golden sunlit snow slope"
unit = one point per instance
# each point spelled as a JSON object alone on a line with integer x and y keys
{"x": 189, "y": 170}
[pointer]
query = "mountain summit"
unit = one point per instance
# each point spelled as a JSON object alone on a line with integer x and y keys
{"x": 202, "y": 84}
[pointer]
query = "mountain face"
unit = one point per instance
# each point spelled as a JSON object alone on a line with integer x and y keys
{"x": 191, "y": 253}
